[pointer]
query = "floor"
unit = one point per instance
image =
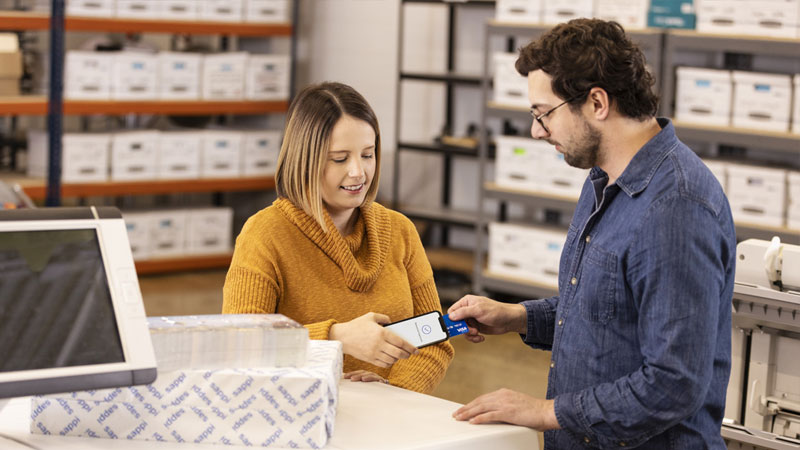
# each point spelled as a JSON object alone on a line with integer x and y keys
{"x": 499, "y": 362}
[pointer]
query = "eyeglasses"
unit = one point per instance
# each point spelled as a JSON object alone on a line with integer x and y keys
{"x": 547, "y": 113}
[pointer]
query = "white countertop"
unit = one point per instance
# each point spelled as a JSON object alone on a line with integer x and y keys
{"x": 370, "y": 416}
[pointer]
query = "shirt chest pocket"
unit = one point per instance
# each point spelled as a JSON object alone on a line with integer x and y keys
{"x": 597, "y": 290}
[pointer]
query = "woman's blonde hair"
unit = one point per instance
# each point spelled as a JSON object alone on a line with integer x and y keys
{"x": 307, "y": 138}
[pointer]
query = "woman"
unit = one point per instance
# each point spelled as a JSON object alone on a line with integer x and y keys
{"x": 327, "y": 256}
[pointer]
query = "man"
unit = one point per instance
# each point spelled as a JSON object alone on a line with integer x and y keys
{"x": 640, "y": 330}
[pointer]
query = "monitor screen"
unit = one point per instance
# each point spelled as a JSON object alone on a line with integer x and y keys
{"x": 55, "y": 304}
{"x": 71, "y": 312}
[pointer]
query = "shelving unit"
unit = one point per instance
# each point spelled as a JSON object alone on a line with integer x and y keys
{"x": 653, "y": 42}
{"x": 51, "y": 190}
{"x": 445, "y": 215}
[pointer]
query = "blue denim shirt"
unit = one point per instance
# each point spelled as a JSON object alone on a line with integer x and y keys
{"x": 640, "y": 331}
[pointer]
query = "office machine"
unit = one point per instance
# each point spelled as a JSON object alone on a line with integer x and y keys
{"x": 763, "y": 399}
{"x": 71, "y": 313}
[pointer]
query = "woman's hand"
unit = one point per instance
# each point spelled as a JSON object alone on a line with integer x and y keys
{"x": 364, "y": 338}
{"x": 365, "y": 376}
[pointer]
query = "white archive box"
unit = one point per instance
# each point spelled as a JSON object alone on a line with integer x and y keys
{"x": 793, "y": 187}
{"x": 179, "y": 155}
{"x": 134, "y": 155}
{"x": 179, "y": 75}
{"x": 179, "y": 9}
{"x": 260, "y": 152}
{"x": 87, "y": 75}
{"x": 720, "y": 171}
{"x": 525, "y": 252}
{"x": 774, "y": 18}
{"x": 517, "y": 162}
{"x": 518, "y": 11}
{"x": 757, "y": 195}
{"x": 796, "y": 112}
{"x": 563, "y": 10}
{"x": 761, "y": 100}
{"x": 267, "y": 11}
{"x": 167, "y": 233}
{"x": 223, "y": 76}
{"x": 209, "y": 231}
{"x": 138, "y": 9}
{"x": 510, "y": 88}
{"x": 84, "y": 156}
{"x": 91, "y": 8}
{"x": 220, "y": 341}
{"x": 703, "y": 96}
{"x": 138, "y": 225}
{"x": 221, "y": 10}
{"x": 135, "y": 76}
{"x": 631, "y": 14}
{"x": 222, "y": 153}
{"x": 721, "y": 16}
{"x": 268, "y": 407}
{"x": 267, "y": 77}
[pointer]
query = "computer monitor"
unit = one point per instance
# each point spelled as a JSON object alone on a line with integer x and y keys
{"x": 71, "y": 313}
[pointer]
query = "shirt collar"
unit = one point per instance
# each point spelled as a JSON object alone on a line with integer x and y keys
{"x": 645, "y": 162}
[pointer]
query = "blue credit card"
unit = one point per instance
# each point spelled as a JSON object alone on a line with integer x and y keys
{"x": 454, "y": 327}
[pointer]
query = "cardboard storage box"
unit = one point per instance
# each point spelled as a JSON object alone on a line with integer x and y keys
{"x": 517, "y": 162}
{"x": 84, "y": 157}
{"x": 221, "y": 10}
{"x": 91, "y": 8}
{"x": 134, "y": 155}
{"x": 179, "y": 155}
{"x": 563, "y": 11}
{"x": 179, "y": 75}
{"x": 757, "y": 195}
{"x": 268, "y": 407}
{"x": 10, "y": 64}
{"x": 138, "y": 9}
{"x": 222, "y": 154}
{"x": 179, "y": 9}
{"x": 167, "y": 233}
{"x": 703, "y": 96}
{"x": 267, "y": 77}
{"x": 260, "y": 152}
{"x": 671, "y": 14}
{"x": 774, "y": 18}
{"x": 223, "y": 76}
{"x": 525, "y": 252}
{"x": 87, "y": 75}
{"x": 267, "y": 11}
{"x": 135, "y": 76}
{"x": 510, "y": 88}
{"x": 631, "y": 14}
{"x": 721, "y": 16}
{"x": 209, "y": 231}
{"x": 518, "y": 11}
{"x": 796, "y": 112}
{"x": 761, "y": 100}
{"x": 138, "y": 225}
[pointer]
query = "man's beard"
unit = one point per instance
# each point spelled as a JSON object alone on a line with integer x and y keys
{"x": 586, "y": 149}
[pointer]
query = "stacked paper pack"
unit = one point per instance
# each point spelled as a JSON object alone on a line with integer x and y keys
{"x": 227, "y": 340}
{"x": 292, "y": 407}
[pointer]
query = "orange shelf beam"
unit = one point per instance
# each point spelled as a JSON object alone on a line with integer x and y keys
{"x": 158, "y": 266}
{"x": 13, "y": 20}
{"x": 155, "y": 187}
{"x": 37, "y": 106}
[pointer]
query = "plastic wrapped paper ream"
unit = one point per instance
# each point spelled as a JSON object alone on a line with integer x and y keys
{"x": 227, "y": 340}
{"x": 267, "y": 407}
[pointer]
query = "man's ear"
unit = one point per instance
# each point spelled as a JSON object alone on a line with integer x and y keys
{"x": 600, "y": 103}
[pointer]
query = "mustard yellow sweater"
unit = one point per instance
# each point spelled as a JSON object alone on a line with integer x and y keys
{"x": 283, "y": 262}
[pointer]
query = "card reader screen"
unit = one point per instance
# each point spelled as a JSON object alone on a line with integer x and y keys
{"x": 55, "y": 304}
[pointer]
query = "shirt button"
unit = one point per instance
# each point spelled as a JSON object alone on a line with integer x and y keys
{"x": 588, "y": 239}
{"x": 552, "y": 364}
{"x": 586, "y": 439}
{"x": 573, "y": 281}
{"x": 622, "y": 444}
{"x": 560, "y": 322}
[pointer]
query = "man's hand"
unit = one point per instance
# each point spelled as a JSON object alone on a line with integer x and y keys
{"x": 364, "y": 338}
{"x": 486, "y": 316}
{"x": 510, "y": 407}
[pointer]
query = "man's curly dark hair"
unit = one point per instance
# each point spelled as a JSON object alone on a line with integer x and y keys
{"x": 586, "y": 53}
